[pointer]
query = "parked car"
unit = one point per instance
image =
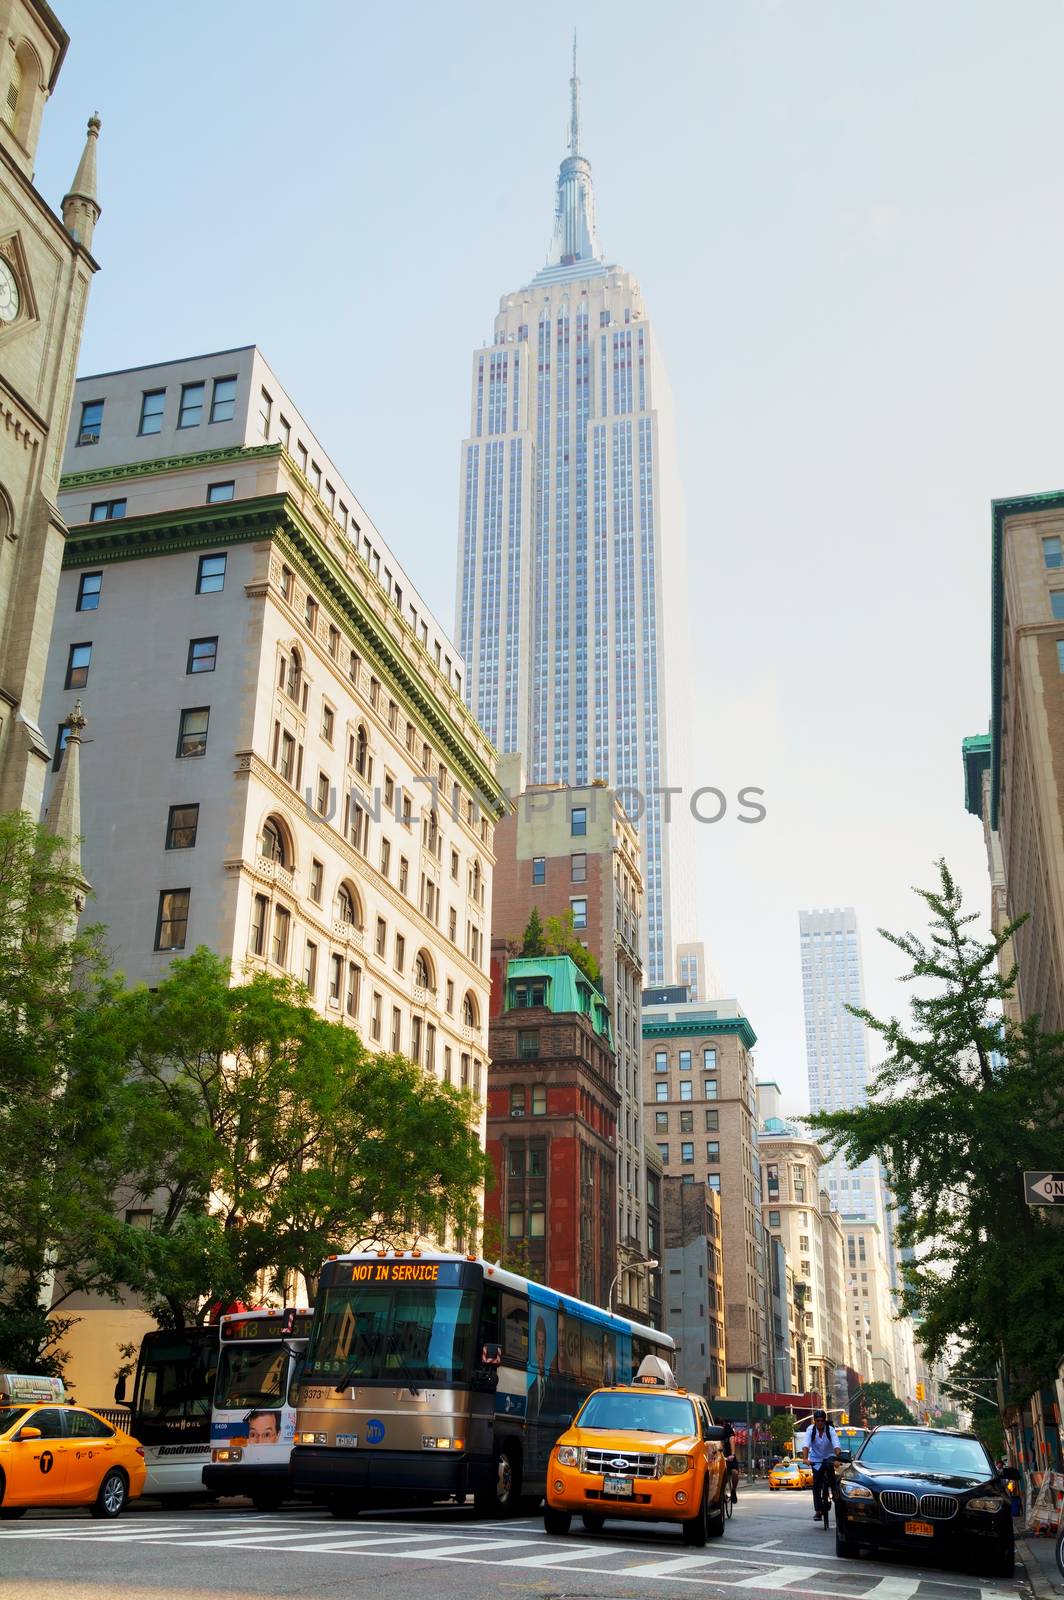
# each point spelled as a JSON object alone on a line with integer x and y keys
{"x": 926, "y": 1489}
{"x": 64, "y": 1455}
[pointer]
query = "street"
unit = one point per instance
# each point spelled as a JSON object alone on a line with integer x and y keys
{"x": 771, "y": 1546}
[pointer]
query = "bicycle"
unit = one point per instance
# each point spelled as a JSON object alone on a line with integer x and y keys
{"x": 826, "y": 1471}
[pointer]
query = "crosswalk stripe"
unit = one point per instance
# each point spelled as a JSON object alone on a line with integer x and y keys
{"x": 665, "y": 1569}
{"x": 893, "y": 1589}
{"x": 467, "y": 1546}
{"x": 773, "y": 1577}
{"x": 572, "y": 1553}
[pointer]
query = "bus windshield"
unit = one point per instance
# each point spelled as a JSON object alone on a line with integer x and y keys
{"x": 175, "y": 1385}
{"x": 250, "y": 1375}
{"x": 415, "y": 1332}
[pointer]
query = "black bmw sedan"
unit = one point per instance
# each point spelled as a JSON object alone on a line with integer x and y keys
{"x": 924, "y": 1490}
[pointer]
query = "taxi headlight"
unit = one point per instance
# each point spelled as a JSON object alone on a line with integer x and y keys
{"x": 855, "y": 1491}
{"x": 568, "y": 1455}
{"x": 673, "y": 1465}
{"x": 986, "y": 1502}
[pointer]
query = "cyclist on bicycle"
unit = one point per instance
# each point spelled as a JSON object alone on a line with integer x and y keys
{"x": 730, "y": 1462}
{"x": 821, "y": 1449}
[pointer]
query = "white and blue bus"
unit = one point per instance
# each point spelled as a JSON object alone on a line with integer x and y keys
{"x": 253, "y": 1418}
{"x": 433, "y": 1376}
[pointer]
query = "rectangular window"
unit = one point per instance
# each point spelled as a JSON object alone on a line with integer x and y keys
{"x": 265, "y": 410}
{"x": 91, "y": 422}
{"x": 315, "y": 477}
{"x": 181, "y": 826}
{"x": 579, "y": 910}
{"x": 539, "y": 1100}
{"x": 687, "y": 1122}
{"x": 528, "y": 1043}
{"x": 686, "y": 1089}
{"x": 578, "y": 867}
{"x": 663, "y": 1152}
{"x": 386, "y": 856}
{"x": 284, "y": 430}
{"x": 687, "y": 1150}
{"x": 260, "y": 911}
{"x": 310, "y": 967}
{"x": 709, "y": 1088}
{"x": 397, "y": 1029}
{"x": 539, "y": 868}
{"x": 171, "y": 924}
{"x": 282, "y": 922}
{"x": 1052, "y": 553}
{"x": 713, "y": 1179}
{"x": 89, "y": 591}
{"x": 192, "y": 735}
{"x": 381, "y": 942}
{"x": 77, "y": 673}
{"x": 152, "y": 406}
{"x": 202, "y": 655}
{"x": 1060, "y": 655}
{"x": 712, "y": 1121}
{"x": 322, "y": 795}
{"x": 661, "y": 1091}
{"x": 190, "y": 414}
{"x": 336, "y": 979}
{"x": 218, "y": 492}
{"x": 404, "y": 875}
{"x": 773, "y": 1219}
{"x": 400, "y": 952}
{"x": 223, "y": 400}
{"x": 317, "y": 878}
{"x": 61, "y": 741}
{"x": 709, "y": 1060}
{"x": 354, "y": 985}
{"x": 661, "y": 1121}
{"x": 375, "y": 1017}
{"x": 713, "y": 1151}
{"x": 328, "y": 721}
{"x": 107, "y": 511}
{"x": 211, "y": 575}
{"x": 685, "y": 1060}
{"x": 661, "y": 1061}
{"x": 1056, "y": 603}
{"x": 578, "y": 821}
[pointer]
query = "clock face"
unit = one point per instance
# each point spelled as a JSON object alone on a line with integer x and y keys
{"x": 10, "y": 298}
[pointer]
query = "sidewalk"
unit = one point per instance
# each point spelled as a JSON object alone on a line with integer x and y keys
{"x": 1040, "y": 1564}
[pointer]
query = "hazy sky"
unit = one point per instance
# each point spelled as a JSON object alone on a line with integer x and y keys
{"x": 847, "y": 220}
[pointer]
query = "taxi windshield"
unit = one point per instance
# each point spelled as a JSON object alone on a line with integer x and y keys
{"x": 9, "y": 1415}
{"x": 639, "y": 1413}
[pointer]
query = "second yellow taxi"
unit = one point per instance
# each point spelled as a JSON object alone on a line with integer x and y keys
{"x": 645, "y": 1450}
{"x": 790, "y": 1475}
{"x": 54, "y": 1454}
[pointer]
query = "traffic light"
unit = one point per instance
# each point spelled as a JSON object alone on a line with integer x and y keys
{"x": 920, "y": 1392}
{"x": 844, "y": 1418}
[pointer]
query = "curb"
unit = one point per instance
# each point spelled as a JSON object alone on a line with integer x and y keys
{"x": 1041, "y": 1585}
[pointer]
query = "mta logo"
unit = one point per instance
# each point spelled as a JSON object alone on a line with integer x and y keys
{"x": 374, "y": 1430}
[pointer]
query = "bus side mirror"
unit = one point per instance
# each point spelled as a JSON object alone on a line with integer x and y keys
{"x": 120, "y": 1391}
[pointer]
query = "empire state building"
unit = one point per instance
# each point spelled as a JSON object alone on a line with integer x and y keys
{"x": 572, "y": 596}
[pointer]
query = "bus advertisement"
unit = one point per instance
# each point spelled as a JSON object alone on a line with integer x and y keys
{"x": 254, "y": 1418}
{"x": 171, "y": 1408}
{"x": 431, "y": 1376}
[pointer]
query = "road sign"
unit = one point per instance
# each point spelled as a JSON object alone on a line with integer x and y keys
{"x": 1044, "y": 1188}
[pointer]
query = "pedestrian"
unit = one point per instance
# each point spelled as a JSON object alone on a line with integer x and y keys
{"x": 821, "y": 1449}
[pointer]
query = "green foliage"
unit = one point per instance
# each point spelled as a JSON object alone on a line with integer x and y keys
{"x": 561, "y": 940}
{"x": 962, "y": 1104}
{"x": 781, "y": 1428}
{"x": 62, "y": 1104}
{"x": 269, "y": 1138}
{"x": 881, "y": 1404}
{"x": 509, "y": 1253}
{"x": 532, "y": 943}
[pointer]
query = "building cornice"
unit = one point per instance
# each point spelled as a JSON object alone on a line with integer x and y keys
{"x": 278, "y": 517}
{"x": 706, "y": 1026}
{"x": 160, "y": 464}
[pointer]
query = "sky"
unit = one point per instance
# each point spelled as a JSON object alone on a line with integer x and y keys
{"x": 847, "y": 222}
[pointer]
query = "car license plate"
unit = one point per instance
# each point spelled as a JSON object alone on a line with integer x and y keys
{"x": 349, "y": 1439}
{"x": 924, "y": 1529}
{"x": 621, "y": 1487}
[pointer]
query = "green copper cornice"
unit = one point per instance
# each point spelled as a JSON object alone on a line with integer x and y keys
{"x": 148, "y": 469}
{"x": 278, "y": 517}
{"x": 698, "y": 1027}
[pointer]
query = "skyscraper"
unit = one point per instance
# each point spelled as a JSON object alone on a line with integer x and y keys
{"x": 572, "y": 602}
{"x": 837, "y": 1049}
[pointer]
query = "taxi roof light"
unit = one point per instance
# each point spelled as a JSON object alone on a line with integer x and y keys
{"x": 655, "y": 1372}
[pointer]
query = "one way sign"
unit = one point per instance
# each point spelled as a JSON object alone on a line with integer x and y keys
{"x": 1044, "y": 1188}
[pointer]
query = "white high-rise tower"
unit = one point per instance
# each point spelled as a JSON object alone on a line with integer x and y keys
{"x": 572, "y": 595}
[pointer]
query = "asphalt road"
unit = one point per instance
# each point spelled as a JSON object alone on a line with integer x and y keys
{"x": 771, "y": 1546}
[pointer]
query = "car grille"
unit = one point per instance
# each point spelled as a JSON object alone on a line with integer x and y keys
{"x": 899, "y": 1501}
{"x": 942, "y": 1506}
{"x": 621, "y": 1462}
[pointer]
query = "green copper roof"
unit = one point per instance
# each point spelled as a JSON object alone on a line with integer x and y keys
{"x": 697, "y": 1025}
{"x": 976, "y": 755}
{"x": 565, "y": 990}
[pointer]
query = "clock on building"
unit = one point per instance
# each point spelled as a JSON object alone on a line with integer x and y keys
{"x": 10, "y": 297}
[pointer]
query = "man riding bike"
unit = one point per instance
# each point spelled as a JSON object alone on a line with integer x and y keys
{"x": 821, "y": 1449}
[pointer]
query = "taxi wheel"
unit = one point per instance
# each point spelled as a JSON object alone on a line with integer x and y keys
{"x": 696, "y": 1529}
{"x": 716, "y": 1516}
{"x": 556, "y": 1521}
{"x": 593, "y": 1521}
{"x": 114, "y": 1491}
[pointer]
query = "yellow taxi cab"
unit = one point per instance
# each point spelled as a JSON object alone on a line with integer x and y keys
{"x": 645, "y": 1450}
{"x": 56, "y": 1454}
{"x": 791, "y": 1475}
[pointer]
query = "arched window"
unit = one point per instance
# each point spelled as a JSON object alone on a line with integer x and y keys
{"x": 423, "y": 971}
{"x": 469, "y": 1011}
{"x": 361, "y": 750}
{"x": 347, "y": 909}
{"x": 294, "y": 680}
{"x": 274, "y": 844}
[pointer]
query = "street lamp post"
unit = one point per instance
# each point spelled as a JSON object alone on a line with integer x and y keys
{"x": 644, "y": 1266}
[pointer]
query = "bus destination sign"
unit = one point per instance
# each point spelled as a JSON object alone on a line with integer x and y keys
{"x": 439, "y": 1272}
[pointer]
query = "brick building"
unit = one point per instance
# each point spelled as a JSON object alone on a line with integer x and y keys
{"x": 693, "y": 1279}
{"x": 560, "y": 850}
{"x": 552, "y": 1126}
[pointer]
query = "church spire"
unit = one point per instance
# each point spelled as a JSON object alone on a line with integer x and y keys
{"x": 574, "y": 210}
{"x": 63, "y": 816}
{"x": 81, "y": 208}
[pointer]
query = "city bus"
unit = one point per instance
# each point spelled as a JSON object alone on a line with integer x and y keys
{"x": 253, "y": 1418}
{"x": 171, "y": 1408}
{"x": 432, "y": 1376}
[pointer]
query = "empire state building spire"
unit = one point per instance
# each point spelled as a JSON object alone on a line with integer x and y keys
{"x": 574, "y": 211}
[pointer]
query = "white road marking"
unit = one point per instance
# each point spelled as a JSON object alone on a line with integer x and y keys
{"x": 665, "y": 1569}
{"x": 568, "y": 1553}
{"x": 894, "y": 1589}
{"x": 774, "y": 1577}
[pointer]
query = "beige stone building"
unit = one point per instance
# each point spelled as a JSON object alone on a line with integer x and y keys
{"x": 1014, "y": 780}
{"x": 45, "y": 271}
{"x": 700, "y": 1109}
{"x": 281, "y": 765}
{"x": 870, "y": 1300}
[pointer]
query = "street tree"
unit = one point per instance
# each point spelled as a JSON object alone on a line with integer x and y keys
{"x": 532, "y": 943}
{"x": 268, "y": 1138}
{"x": 881, "y": 1404}
{"x": 62, "y": 1102}
{"x": 560, "y": 939}
{"x": 964, "y": 1101}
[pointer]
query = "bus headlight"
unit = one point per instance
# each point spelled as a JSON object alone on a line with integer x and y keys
{"x": 673, "y": 1465}
{"x": 568, "y": 1455}
{"x": 430, "y": 1442}
{"x": 232, "y": 1453}
{"x": 310, "y": 1438}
